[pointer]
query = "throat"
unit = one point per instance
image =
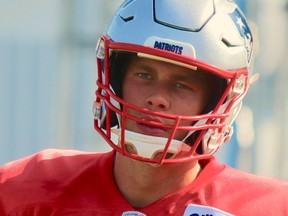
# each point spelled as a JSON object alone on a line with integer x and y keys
{"x": 142, "y": 184}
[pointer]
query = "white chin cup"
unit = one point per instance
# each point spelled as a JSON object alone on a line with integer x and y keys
{"x": 149, "y": 146}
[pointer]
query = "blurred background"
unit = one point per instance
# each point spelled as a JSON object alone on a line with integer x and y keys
{"x": 48, "y": 74}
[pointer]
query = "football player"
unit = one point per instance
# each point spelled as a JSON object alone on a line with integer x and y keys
{"x": 172, "y": 75}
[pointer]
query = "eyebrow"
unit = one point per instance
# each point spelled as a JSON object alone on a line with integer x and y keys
{"x": 145, "y": 67}
{"x": 180, "y": 77}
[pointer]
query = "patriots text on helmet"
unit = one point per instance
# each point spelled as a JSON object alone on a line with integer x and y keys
{"x": 168, "y": 47}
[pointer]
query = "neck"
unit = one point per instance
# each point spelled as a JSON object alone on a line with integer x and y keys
{"x": 142, "y": 184}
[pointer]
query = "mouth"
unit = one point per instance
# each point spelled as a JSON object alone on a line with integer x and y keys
{"x": 151, "y": 128}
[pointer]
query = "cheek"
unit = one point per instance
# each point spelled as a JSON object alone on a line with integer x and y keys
{"x": 189, "y": 105}
{"x": 129, "y": 94}
{"x": 129, "y": 91}
{"x": 134, "y": 92}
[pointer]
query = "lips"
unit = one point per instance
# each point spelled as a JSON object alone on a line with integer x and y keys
{"x": 150, "y": 129}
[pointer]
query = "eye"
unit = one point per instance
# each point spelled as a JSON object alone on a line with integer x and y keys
{"x": 144, "y": 75}
{"x": 184, "y": 86}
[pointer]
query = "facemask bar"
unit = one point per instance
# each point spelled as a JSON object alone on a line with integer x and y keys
{"x": 214, "y": 122}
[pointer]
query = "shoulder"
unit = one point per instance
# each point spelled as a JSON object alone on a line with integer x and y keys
{"x": 229, "y": 176}
{"x": 52, "y": 176}
{"x": 250, "y": 179}
{"x": 252, "y": 192}
{"x": 48, "y": 162}
{"x": 242, "y": 192}
{"x": 226, "y": 174}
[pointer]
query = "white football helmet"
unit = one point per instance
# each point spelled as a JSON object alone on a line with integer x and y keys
{"x": 205, "y": 35}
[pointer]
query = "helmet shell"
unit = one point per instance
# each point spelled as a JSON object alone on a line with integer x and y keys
{"x": 216, "y": 30}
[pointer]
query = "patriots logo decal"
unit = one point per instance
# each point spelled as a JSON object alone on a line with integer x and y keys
{"x": 238, "y": 18}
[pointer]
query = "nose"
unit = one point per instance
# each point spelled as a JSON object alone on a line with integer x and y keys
{"x": 158, "y": 99}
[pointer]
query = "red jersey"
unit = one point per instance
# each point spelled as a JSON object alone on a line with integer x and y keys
{"x": 64, "y": 182}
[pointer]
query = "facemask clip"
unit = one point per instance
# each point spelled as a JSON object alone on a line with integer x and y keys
{"x": 96, "y": 110}
{"x": 100, "y": 49}
{"x": 239, "y": 86}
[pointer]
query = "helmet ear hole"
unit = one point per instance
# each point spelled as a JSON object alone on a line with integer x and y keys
{"x": 218, "y": 85}
{"x": 113, "y": 123}
{"x": 119, "y": 61}
{"x": 191, "y": 140}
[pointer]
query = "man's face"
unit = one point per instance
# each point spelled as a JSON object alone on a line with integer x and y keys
{"x": 166, "y": 88}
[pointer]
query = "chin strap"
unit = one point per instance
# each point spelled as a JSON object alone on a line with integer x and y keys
{"x": 149, "y": 146}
